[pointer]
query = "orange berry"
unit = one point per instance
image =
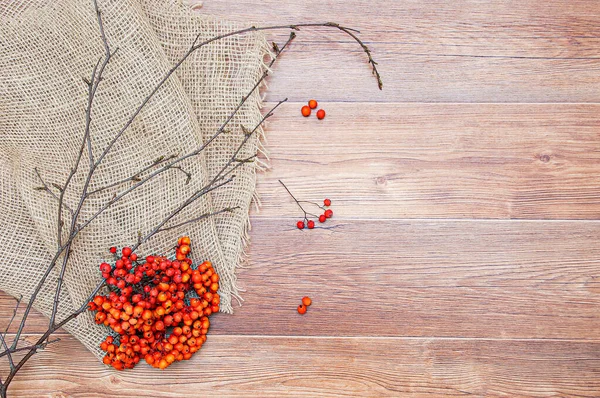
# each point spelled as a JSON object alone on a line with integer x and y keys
{"x": 305, "y": 111}
{"x": 184, "y": 240}
{"x": 162, "y": 296}
{"x": 301, "y": 309}
{"x": 320, "y": 114}
{"x": 312, "y": 104}
{"x": 306, "y": 301}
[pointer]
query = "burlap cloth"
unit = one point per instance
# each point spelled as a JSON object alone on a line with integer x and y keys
{"x": 45, "y": 51}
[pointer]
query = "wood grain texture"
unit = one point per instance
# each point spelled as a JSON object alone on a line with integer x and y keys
{"x": 436, "y": 51}
{"x": 438, "y": 278}
{"x": 438, "y": 160}
{"x": 462, "y": 258}
{"x": 497, "y": 279}
{"x": 242, "y": 366}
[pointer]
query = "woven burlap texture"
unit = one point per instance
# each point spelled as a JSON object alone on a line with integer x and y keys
{"x": 46, "y": 51}
{"x": 214, "y": 93}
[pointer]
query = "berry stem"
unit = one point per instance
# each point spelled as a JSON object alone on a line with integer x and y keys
{"x": 313, "y": 203}
{"x": 306, "y": 214}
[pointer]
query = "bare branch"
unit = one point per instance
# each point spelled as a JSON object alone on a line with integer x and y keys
{"x": 10, "y": 359}
{"x": 93, "y": 87}
{"x": 19, "y": 300}
{"x": 45, "y": 187}
{"x": 202, "y": 217}
{"x": 29, "y": 347}
{"x": 306, "y": 214}
{"x": 136, "y": 177}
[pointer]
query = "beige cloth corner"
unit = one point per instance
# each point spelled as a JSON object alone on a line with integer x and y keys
{"x": 46, "y": 51}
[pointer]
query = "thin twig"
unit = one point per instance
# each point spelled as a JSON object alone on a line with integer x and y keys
{"x": 10, "y": 358}
{"x": 195, "y": 46}
{"x": 195, "y": 196}
{"x": 44, "y": 337}
{"x": 202, "y": 217}
{"x": 306, "y": 214}
{"x": 136, "y": 177}
{"x": 93, "y": 87}
{"x": 64, "y": 188}
{"x": 313, "y": 203}
{"x": 19, "y": 300}
{"x": 29, "y": 347}
{"x": 46, "y": 188}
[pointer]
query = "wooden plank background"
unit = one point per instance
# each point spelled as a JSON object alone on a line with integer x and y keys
{"x": 462, "y": 258}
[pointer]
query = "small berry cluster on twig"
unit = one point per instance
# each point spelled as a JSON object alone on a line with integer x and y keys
{"x": 306, "y": 222}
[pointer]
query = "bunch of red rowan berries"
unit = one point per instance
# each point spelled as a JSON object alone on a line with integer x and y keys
{"x": 151, "y": 308}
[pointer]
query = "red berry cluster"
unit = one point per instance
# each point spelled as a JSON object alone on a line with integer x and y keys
{"x": 312, "y": 104}
{"x": 148, "y": 308}
{"x": 310, "y": 224}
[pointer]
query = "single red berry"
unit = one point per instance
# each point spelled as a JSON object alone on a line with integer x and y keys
{"x": 133, "y": 257}
{"x": 300, "y": 224}
{"x": 301, "y": 309}
{"x": 105, "y": 268}
{"x": 311, "y": 224}
{"x": 328, "y": 213}
{"x": 322, "y": 218}
{"x": 113, "y": 250}
{"x": 312, "y": 104}
{"x": 126, "y": 251}
{"x": 327, "y": 202}
{"x": 320, "y": 114}
{"x": 305, "y": 111}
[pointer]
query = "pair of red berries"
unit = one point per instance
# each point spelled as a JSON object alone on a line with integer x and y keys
{"x": 306, "y": 302}
{"x": 312, "y": 104}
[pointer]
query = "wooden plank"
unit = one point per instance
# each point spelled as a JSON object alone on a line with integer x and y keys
{"x": 496, "y": 279}
{"x": 420, "y": 278}
{"x": 537, "y": 161}
{"x": 244, "y": 366}
{"x": 436, "y": 51}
